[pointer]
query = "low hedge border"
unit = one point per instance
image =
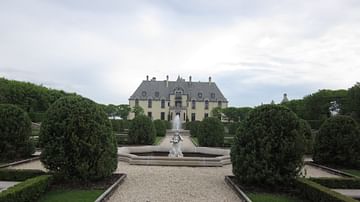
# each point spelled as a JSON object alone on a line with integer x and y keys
{"x": 338, "y": 183}
{"x": 19, "y": 174}
{"x": 28, "y": 190}
{"x": 317, "y": 193}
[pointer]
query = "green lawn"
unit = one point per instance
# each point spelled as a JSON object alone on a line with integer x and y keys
{"x": 71, "y": 195}
{"x": 158, "y": 140}
{"x": 195, "y": 141}
{"x": 352, "y": 171}
{"x": 267, "y": 197}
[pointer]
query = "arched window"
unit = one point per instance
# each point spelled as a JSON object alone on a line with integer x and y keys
{"x": 149, "y": 103}
{"x": 206, "y": 104}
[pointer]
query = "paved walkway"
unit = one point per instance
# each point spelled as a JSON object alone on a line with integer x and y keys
{"x": 354, "y": 193}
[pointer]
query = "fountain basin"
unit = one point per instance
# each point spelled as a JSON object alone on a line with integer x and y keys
{"x": 157, "y": 156}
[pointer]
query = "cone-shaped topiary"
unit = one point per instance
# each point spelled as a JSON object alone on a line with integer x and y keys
{"x": 142, "y": 130}
{"x": 15, "y": 130}
{"x": 77, "y": 140}
{"x": 305, "y": 130}
{"x": 267, "y": 147}
{"x": 338, "y": 142}
{"x": 211, "y": 132}
{"x": 160, "y": 128}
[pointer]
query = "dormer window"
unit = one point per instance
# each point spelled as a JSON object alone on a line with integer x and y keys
{"x": 200, "y": 95}
{"x": 157, "y": 94}
{"x": 212, "y": 95}
{"x": 143, "y": 93}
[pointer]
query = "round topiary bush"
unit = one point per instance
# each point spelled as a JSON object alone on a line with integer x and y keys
{"x": 77, "y": 140}
{"x": 305, "y": 130}
{"x": 194, "y": 127}
{"x": 160, "y": 128}
{"x": 338, "y": 142}
{"x": 142, "y": 130}
{"x": 268, "y": 149}
{"x": 211, "y": 132}
{"x": 15, "y": 131}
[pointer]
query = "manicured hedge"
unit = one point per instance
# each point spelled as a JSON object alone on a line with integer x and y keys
{"x": 194, "y": 127}
{"x": 317, "y": 193}
{"x": 19, "y": 174}
{"x": 338, "y": 183}
{"x": 29, "y": 190}
{"x": 211, "y": 132}
{"x": 142, "y": 131}
{"x": 160, "y": 127}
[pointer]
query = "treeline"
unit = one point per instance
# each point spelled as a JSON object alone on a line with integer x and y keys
{"x": 34, "y": 99}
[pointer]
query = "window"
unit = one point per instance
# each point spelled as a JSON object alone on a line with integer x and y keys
{"x": 143, "y": 93}
{"x": 157, "y": 94}
{"x": 200, "y": 95}
{"x": 206, "y": 115}
{"x": 193, "y": 104}
{"x": 206, "y": 104}
{"x": 193, "y": 117}
{"x": 184, "y": 116}
{"x": 150, "y": 115}
{"x": 212, "y": 95}
{"x": 149, "y": 103}
{"x": 162, "y": 115}
{"x": 136, "y": 102}
{"x": 219, "y": 104}
{"x": 162, "y": 104}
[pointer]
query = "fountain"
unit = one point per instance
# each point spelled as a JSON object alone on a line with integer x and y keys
{"x": 175, "y": 150}
{"x": 174, "y": 155}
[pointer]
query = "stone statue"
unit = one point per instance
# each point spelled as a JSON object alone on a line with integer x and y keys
{"x": 175, "y": 151}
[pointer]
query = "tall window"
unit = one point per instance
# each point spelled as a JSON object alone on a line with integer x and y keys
{"x": 149, "y": 103}
{"x": 136, "y": 102}
{"x": 162, "y": 116}
{"x": 219, "y": 104}
{"x": 162, "y": 104}
{"x": 193, "y": 104}
{"x": 150, "y": 115}
{"x": 193, "y": 117}
{"x": 206, "y": 115}
{"x": 206, "y": 104}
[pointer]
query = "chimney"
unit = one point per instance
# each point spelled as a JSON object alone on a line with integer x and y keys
{"x": 190, "y": 79}
{"x": 147, "y": 77}
{"x": 209, "y": 80}
{"x": 167, "y": 80}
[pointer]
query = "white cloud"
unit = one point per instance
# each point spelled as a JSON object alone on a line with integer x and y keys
{"x": 103, "y": 51}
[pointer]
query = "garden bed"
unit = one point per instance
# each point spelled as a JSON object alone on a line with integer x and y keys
{"x": 260, "y": 195}
{"x": 79, "y": 191}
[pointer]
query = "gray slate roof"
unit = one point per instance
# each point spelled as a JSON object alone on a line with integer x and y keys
{"x": 157, "y": 90}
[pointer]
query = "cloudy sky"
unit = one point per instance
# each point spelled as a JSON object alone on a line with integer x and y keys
{"x": 254, "y": 50}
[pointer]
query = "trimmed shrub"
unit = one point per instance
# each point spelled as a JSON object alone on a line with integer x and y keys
{"x": 305, "y": 130}
{"x": 119, "y": 126}
{"x": 338, "y": 142}
{"x": 194, "y": 127}
{"x": 211, "y": 132}
{"x": 15, "y": 131}
{"x": 29, "y": 190}
{"x": 338, "y": 183}
{"x": 142, "y": 131}
{"x": 318, "y": 193}
{"x": 77, "y": 140}
{"x": 160, "y": 128}
{"x": 233, "y": 127}
{"x": 19, "y": 174}
{"x": 268, "y": 149}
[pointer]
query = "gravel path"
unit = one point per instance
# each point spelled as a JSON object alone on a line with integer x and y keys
{"x": 168, "y": 183}
{"x": 312, "y": 171}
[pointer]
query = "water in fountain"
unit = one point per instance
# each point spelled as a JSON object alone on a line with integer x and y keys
{"x": 176, "y": 124}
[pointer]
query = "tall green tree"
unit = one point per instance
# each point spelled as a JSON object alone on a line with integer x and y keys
{"x": 123, "y": 111}
{"x": 354, "y": 100}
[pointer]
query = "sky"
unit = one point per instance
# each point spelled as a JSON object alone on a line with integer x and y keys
{"x": 254, "y": 50}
